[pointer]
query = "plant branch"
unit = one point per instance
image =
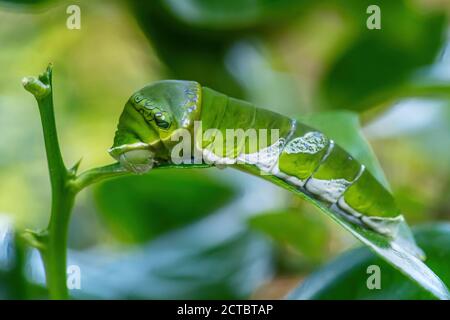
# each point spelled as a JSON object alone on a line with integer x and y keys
{"x": 96, "y": 175}
{"x": 52, "y": 242}
{"x": 53, "y": 245}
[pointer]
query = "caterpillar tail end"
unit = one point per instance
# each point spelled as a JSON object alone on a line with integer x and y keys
{"x": 398, "y": 230}
{"x": 395, "y": 228}
{"x": 405, "y": 239}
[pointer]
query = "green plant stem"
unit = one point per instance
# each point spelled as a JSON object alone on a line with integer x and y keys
{"x": 52, "y": 243}
{"x": 55, "y": 252}
{"x": 54, "y": 248}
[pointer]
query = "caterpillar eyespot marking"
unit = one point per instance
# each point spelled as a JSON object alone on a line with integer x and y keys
{"x": 148, "y": 109}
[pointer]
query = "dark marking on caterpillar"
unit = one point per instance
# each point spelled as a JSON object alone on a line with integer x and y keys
{"x": 148, "y": 109}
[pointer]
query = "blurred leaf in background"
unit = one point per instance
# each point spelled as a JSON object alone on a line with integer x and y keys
{"x": 11, "y": 277}
{"x": 346, "y": 277}
{"x": 412, "y": 141}
{"x": 190, "y": 263}
{"x": 25, "y": 3}
{"x": 140, "y": 208}
{"x": 377, "y": 61}
{"x": 13, "y": 265}
{"x": 232, "y": 14}
{"x": 305, "y": 233}
{"x": 193, "y": 37}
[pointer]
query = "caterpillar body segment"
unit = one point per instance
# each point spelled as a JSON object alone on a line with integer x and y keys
{"x": 289, "y": 152}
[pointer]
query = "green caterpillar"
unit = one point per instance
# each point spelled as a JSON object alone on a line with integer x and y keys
{"x": 298, "y": 157}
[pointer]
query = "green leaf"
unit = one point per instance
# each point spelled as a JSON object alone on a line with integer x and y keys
{"x": 344, "y": 128}
{"x": 139, "y": 208}
{"x": 378, "y": 61}
{"x": 303, "y": 232}
{"x": 397, "y": 251}
{"x": 346, "y": 276}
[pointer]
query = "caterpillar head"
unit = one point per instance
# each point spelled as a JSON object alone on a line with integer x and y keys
{"x": 150, "y": 118}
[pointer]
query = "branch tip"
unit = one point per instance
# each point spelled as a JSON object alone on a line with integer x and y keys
{"x": 36, "y": 87}
{"x": 46, "y": 76}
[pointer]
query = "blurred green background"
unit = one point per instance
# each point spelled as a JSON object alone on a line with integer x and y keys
{"x": 218, "y": 233}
